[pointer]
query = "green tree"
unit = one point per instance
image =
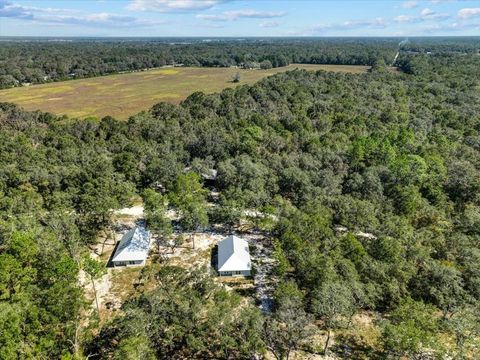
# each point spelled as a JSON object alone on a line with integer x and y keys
{"x": 189, "y": 198}
{"x": 265, "y": 65}
{"x": 134, "y": 348}
{"x": 282, "y": 265}
{"x": 187, "y": 315}
{"x": 333, "y": 303}
{"x": 379, "y": 66}
{"x": 441, "y": 285}
{"x": 95, "y": 270}
{"x": 156, "y": 206}
{"x": 228, "y": 213}
{"x": 412, "y": 327}
{"x": 288, "y": 292}
{"x": 465, "y": 327}
{"x": 286, "y": 329}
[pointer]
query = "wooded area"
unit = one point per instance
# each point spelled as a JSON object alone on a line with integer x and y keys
{"x": 39, "y": 61}
{"x": 330, "y": 156}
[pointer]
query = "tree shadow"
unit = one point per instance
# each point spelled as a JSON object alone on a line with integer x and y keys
{"x": 110, "y": 262}
{"x": 348, "y": 347}
{"x": 246, "y": 292}
{"x": 214, "y": 259}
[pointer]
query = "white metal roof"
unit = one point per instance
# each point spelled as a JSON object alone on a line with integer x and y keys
{"x": 134, "y": 245}
{"x": 233, "y": 254}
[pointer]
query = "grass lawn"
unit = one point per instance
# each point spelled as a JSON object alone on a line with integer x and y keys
{"x": 124, "y": 95}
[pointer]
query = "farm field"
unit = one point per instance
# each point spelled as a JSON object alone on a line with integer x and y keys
{"x": 123, "y": 95}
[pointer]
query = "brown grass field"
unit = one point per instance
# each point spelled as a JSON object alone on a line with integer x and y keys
{"x": 123, "y": 95}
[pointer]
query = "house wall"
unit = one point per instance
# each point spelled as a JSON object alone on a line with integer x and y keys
{"x": 235, "y": 273}
{"x": 128, "y": 263}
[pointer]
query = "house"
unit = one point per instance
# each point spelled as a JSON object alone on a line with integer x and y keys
{"x": 133, "y": 248}
{"x": 209, "y": 175}
{"x": 233, "y": 257}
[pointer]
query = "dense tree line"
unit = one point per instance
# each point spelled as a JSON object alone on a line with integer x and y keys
{"x": 40, "y": 61}
{"x": 374, "y": 180}
{"x": 442, "y": 45}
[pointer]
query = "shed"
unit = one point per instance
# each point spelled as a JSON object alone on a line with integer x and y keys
{"x": 133, "y": 248}
{"x": 234, "y": 257}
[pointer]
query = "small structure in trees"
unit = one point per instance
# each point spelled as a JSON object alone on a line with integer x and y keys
{"x": 133, "y": 248}
{"x": 209, "y": 178}
{"x": 234, "y": 257}
{"x": 208, "y": 175}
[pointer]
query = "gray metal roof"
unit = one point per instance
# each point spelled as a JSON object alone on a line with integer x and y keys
{"x": 134, "y": 245}
{"x": 233, "y": 254}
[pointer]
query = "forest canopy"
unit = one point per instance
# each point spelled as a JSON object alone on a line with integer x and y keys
{"x": 331, "y": 156}
{"x": 38, "y": 61}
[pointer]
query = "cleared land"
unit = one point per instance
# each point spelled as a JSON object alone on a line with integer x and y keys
{"x": 124, "y": 95}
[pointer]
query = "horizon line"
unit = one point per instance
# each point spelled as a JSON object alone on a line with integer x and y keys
{"x": 236, "y": 37}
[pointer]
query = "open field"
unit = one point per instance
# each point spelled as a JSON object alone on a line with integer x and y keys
{"x": 123, "y": 95}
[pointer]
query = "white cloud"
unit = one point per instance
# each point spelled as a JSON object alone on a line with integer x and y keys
{"x": 211, "y": 17}
{"x": 9, "y": 10}
{"x": 425, "y": 15}
{"x": 240, "y": 14}
{"x": 377, "y": 23}
{"x": 436, "y": 2}
{"x": 59, "y": 17}
{"x": 404, "y": 19}
{"x": 468, "y": 13}
{"x": 210, "y": 25}
{"x": 172, "y": 5}
{"x": 428, "y": 14}
{"x": 269, "y": 24}
{"x": 451, "y": 27}
{"x": 99, "y": 19}
{"x": 410, "y": 4}
{"x": 49, "y": 10}
{"x": 253, "y": 14}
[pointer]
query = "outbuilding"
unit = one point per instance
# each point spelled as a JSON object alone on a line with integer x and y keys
{"x": 234, "y": 257}
{"x": 133, "y": 248}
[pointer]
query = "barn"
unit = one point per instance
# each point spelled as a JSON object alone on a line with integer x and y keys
{"x": 133, "y": 248}
{"x": 234, "y": 257}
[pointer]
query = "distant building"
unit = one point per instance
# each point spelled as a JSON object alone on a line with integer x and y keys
{"x": 209, "y": 176}
{"x": 234, "y": 257}
{"x": 133, "y": 248}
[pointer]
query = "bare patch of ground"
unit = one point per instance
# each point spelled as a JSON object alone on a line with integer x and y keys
{"x": 134, "y": 211}
{"x": 119, "y": 284}
{"x": 263, "y": 275}
{"x": 188, "y": 256}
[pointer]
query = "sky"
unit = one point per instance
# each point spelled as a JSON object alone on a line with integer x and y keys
{"x": 206, "y": 18}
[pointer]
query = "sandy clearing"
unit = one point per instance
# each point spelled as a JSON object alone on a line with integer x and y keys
{"x": 136, "y": 211}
